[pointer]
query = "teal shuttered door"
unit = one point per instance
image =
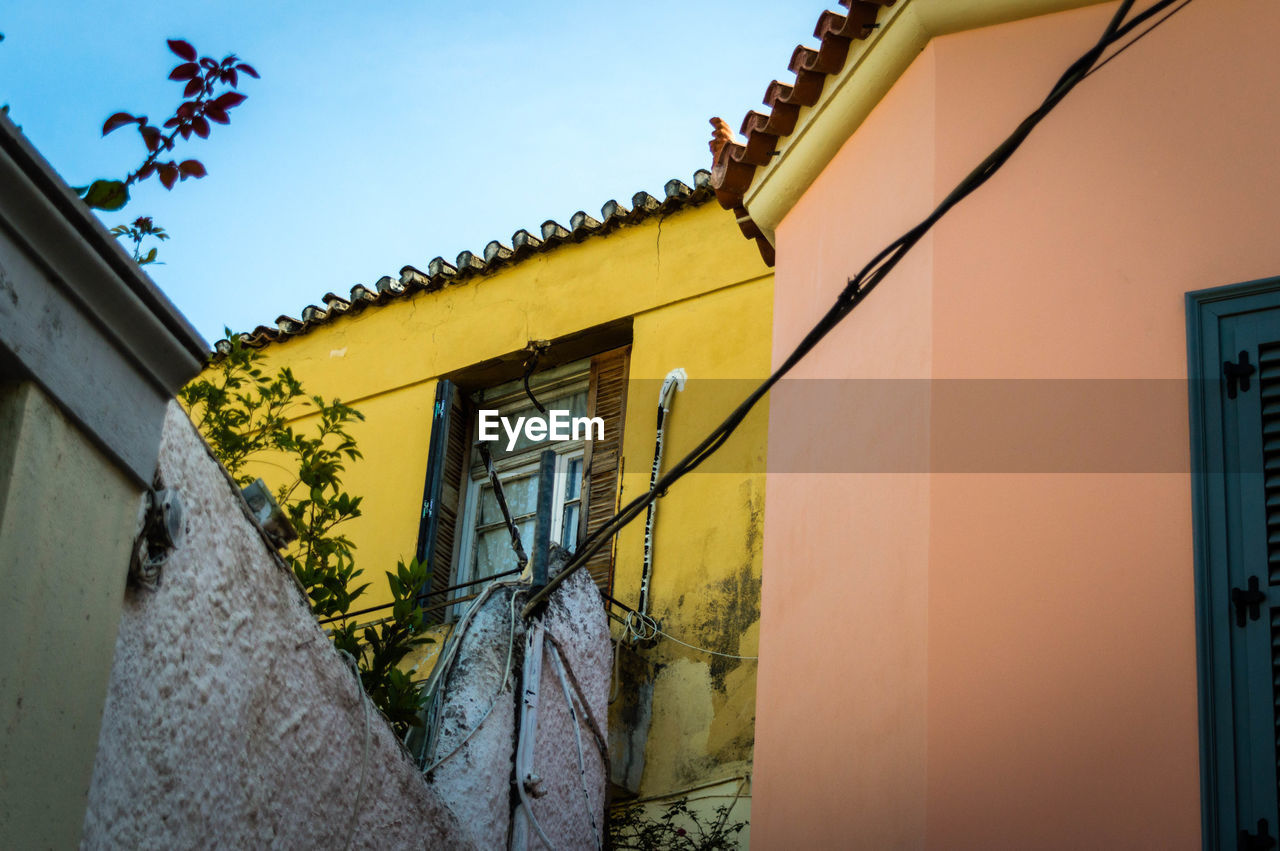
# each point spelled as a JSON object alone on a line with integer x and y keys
{"x": 1236, "y": 431}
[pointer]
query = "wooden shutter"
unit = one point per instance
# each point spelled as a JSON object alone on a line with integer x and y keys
{"x": 602, "y": 467}
{"x": 1236, "y": 450}
{"x": 447, "y": 463}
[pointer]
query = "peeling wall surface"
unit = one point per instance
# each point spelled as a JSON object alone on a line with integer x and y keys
{"x": 230, "y": 720}
{"x": 475, "y": 768}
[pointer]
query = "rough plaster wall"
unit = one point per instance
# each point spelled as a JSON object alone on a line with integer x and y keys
{"x": 476, "y": 782}
{"x": 568, "y": 814}
{"x": 230, "y": 720}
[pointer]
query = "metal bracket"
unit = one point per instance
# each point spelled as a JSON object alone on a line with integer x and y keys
{"x": 163, "y": 530}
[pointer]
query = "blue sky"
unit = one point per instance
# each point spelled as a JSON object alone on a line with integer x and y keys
{"x": 386, "y": 133}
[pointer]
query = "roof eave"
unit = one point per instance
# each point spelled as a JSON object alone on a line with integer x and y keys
{"x": 848, "y": 97}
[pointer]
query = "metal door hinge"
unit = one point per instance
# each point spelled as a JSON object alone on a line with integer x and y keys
{"x": 1237, "y": 374}
{"x": 1260, "y": 841}
{"x": 1248, "y": 602}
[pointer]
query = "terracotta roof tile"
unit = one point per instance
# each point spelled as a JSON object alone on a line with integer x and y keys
{"x": 495, "y": 251}
{"x": 580, "y": 222}
{"x": 613, "y": 211}
{"x": 735, "y": 162}
{"x": 440, "y": 273}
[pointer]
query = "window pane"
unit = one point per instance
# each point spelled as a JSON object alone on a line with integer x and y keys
{"x": 573, "y": 474}
{"x": 569, "y": 533}
{"x": 493, "y": 553}
{"x": 521, "y": 493}
{"x": 575, "y": 404}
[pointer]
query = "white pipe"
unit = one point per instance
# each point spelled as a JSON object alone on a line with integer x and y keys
{"x": 674, "y": 382}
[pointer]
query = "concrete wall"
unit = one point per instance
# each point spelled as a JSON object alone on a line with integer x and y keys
{"x": 230, "y": 719}
{"x": 1005, "y": 656}
{"x": 67, "y": 520}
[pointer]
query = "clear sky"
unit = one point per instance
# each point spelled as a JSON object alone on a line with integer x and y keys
{"x": 386, "y": 133}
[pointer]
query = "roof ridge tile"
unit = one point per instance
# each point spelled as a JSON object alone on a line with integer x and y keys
{"x": 734, "y": 164}
{"x": 440, "y": 272}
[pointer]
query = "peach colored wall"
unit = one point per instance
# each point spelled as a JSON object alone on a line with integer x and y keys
{"x": 840, "y": 716}
{"x": 1030, "y": 635}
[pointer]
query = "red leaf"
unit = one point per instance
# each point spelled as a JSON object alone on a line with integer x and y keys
{"x": 151, "y": 136}
{"x": 192, "y": 168}
{"x": 208, "y": 63}
{"x": 201, "y": 127}
{"x": 172, "y": 122}
{"x": 186, "y": 71}
{"x": 228, "y": 100}
{"x": 183, "y": 49}
{"x": 248, "y": 69}
{"x": 193, "y": 87}
{"x": 214, "y": 114}
{"x": 168, "y": 175}
{"x": 185, "y": 130}
{"x": 231, "y": 77}
{"x": 117, "y": 121}
{"x": 186, "y": 109}
{"x": 146, "y": 171}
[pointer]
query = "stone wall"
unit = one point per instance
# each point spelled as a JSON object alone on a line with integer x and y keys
{"x": 475, "y": 769}
{"x": 230, "y": 719}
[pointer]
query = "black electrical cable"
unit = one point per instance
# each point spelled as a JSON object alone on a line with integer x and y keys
{"x": 530, "y": 365}
{"x": 861, "y": 285}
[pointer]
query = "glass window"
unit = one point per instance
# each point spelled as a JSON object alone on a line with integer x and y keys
{"x": 486, "y": 543}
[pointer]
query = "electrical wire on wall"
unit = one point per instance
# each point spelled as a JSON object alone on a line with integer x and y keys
{"x": 865, "y": 281}
{"x": 672, "y": 384}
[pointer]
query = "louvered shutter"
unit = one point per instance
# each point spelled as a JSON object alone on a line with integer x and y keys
{"x": 606, "y": 398}
{"x": 1253, "y": 479}
{"x": 1238, "y": 478}
{"x": 447, "y": 462}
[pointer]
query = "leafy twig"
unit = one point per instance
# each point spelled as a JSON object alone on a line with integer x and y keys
{"x": 204, "y": 102}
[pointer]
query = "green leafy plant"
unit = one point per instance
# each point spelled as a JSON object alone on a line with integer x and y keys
{"x": 381, "y": 647}
{"x": 246, "y": 414}
{"x": 678, "y": 827}
{"x": 139, "y": 229}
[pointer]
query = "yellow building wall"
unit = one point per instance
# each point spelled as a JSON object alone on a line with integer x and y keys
{"x": 700, "y": 298}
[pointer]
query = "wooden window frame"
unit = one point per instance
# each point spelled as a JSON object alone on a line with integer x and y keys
{"x": 602, "y": 464}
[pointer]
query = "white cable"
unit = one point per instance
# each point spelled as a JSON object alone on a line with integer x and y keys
{"x": 705, "y": 650}
{"x": 506, "y": 674}
{"x": 577, "y": 735}
{"x": 364, "y": 761}
{"x": 449, "y": 654}
{"x": 527, "y": 732}
{"x": 640, "y": 627}
{"x": 648, "y": 629}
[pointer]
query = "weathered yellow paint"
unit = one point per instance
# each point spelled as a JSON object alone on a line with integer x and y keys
{"x": 699, "y": 298}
